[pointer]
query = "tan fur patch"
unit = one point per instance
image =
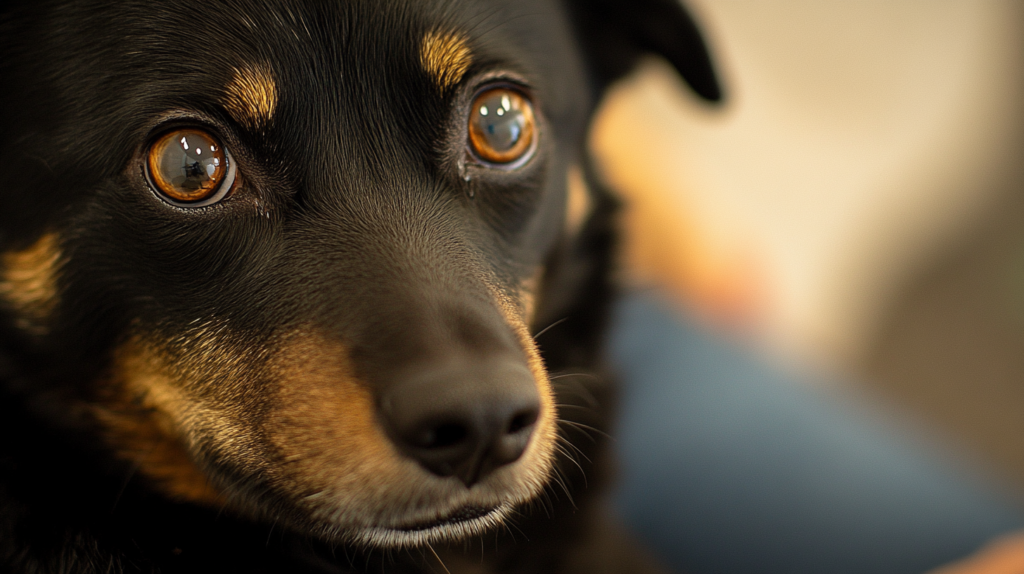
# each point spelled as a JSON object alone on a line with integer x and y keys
{"x": 144, "y": 412}
{"x": 528, "y": 289}
{"x": 325, "y": 429}
{"x": 578, "y": 203}
{"x": 251, "y": 97}
{"x": 28, "y": 281}
{"x": 445, "y": 56}
{"x": 170, "y": 401}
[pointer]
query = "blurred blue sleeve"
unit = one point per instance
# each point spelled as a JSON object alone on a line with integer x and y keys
{"x": 730, "y": 466}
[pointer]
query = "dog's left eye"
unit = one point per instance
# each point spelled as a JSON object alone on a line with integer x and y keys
{"x": 501, "y": 126}
{"x": 190, "y": 167}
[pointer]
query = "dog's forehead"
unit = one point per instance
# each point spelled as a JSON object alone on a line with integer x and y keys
{"x": 349, "y": 47}
{"x": 339, "y": 69}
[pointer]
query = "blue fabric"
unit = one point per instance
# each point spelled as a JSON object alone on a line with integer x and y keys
{"x": 731, "y": 466}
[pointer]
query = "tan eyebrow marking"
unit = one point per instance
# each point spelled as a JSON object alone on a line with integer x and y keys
{"x": 28, "y": 281}
{"x": 251, "y": 97}
{"x": 445, "y": 56}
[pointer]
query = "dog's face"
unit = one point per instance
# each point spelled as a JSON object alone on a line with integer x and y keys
{"x": 294, "y": 249}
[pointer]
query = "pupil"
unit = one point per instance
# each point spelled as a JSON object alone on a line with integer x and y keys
{"x": 186, "y": 168}
{"x": 502, "y": 129}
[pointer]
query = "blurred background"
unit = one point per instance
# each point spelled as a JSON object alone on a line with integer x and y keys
{"x": 856, "y": 210}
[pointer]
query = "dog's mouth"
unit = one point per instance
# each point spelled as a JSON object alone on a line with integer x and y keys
{"x": 455, "y": 525}
{"x": 465, "y": 514}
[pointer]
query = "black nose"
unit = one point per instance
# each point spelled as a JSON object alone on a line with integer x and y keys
{"x": 463, "y": 421}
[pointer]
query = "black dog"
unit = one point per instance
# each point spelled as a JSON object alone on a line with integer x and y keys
{"x": 270, "y": 272}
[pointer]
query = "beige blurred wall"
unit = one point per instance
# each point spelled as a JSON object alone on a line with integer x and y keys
{"x": 860, "y": 140}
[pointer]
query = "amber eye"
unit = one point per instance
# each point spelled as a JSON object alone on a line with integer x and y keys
{"x": 190, "y": 167}
{"x": 501, "y": 126}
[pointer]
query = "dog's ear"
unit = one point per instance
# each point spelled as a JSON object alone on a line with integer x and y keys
{"x": 616, "y": 33}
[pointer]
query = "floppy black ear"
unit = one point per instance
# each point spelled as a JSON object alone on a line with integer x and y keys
{"x": 616, "y": 33}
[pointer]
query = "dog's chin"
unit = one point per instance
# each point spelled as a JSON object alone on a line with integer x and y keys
{"x": 452, "y": 526}
{"x": 451, "y": 517}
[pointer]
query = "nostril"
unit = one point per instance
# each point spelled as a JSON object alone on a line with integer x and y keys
{"x": 463, "y": 422}
{"x": 521, "y": 420}
{"x": 442, "y": 435}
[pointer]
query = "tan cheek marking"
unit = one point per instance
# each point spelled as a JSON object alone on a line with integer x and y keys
{"x": 325, "y": 429}
{"x": 251, "y": 97}
{"x": 28, "y": 281}
{"x": 145, "y": 415}
{"x": 578, "y": 203}
{"x": 445, "y": 56}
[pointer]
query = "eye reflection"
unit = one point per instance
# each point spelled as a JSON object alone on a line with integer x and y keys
{"x": 506, "y": 135}
{"x": 181, "y": 172}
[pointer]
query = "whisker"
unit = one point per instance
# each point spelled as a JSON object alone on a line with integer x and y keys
{"x": 575, "y": 462}
{"x": 568, "y": 443}
{"x": 545, "y": 502}
{"x": 271, "y": 532}
{"x": 549, "y": 327}
{"x": 582, "y": 427}
{"x": 577, "y": 407}
{"x": 434, "y": 552}
{"x": 584, "y": 432}
{"x": 560, "y": 480}
{"x": 570, "y": 382}
{"x": 136, "y": 464}
{"x": 508, "y": 528}
{"x": 516, "y": 526}
{"x": 566, "y": 375}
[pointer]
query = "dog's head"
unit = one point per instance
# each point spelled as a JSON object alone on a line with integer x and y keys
{"x": 288, "y": 254}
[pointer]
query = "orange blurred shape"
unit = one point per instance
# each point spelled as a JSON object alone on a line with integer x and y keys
{"x": 715, "y": 272}
{"x": 1002, "y": 556}
{"x": 665, "y": 247}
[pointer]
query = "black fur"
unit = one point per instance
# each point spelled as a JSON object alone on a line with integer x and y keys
{"x": 361, "y": 146}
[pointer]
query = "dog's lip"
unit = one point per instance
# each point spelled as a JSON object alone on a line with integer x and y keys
{"x": 467, "y": 520}
{"x": 464, "y": 514}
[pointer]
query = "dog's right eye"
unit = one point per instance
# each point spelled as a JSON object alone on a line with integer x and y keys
{"x": 501, "y": 126}
{"x": 190, "y": 167}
